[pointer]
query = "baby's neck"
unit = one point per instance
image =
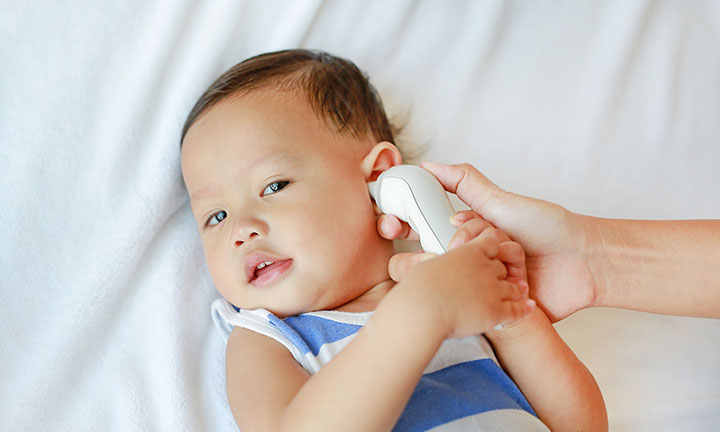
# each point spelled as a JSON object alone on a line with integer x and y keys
{"x": 369, "y": 300}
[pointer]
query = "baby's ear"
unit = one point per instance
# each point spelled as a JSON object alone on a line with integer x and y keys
{"x": 381, "y": 156}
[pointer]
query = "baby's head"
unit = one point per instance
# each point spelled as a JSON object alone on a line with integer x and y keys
{"x": 276, "y": 156}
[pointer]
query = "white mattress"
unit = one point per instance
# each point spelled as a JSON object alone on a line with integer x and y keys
{"x": 608, "y": 108}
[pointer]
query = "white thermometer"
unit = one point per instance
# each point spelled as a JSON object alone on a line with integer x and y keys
{"x": 414, "y": 195}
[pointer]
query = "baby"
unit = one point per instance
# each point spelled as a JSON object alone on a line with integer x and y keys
{"x": 276, "y": 157}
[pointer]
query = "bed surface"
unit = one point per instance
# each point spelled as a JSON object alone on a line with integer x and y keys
{"x": 607, "y": 108}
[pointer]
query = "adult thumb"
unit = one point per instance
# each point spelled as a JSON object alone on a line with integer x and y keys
{"x": 400, "y": 263}
{"x": 465, "y": 181}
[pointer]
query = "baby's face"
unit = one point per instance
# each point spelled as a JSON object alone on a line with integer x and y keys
{"x": 269, "y": 181}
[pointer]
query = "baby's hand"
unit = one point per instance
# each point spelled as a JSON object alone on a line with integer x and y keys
{"x": 471, "y": 224}
{"x": 468, "y": 286}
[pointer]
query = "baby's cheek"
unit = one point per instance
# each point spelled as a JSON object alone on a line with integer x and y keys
{"x": 219, "y": 271}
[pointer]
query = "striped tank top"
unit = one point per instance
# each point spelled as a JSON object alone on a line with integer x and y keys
{"x": 463, "y": 387}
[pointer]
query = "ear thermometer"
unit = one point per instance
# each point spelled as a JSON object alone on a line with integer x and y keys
{"x": 414, "y": 195}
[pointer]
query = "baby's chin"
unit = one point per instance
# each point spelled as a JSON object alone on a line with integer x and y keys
{"x": 282, "y": 306}
{"x": 278, "y": 311}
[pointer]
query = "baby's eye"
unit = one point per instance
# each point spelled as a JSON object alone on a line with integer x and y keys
{"x": 219, "y": 216}
{"x": 274, "y": 187}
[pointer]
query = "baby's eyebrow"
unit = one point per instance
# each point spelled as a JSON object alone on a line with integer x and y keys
{"x": 258, "y": 162}
{"x": 202, "y": 193}
{"x": 243, "y": 170}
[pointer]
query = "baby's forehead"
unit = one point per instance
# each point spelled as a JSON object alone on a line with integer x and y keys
{"x": 302, "y": 99}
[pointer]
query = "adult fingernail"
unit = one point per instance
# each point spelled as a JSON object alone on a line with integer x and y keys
{"x": 427, "y": 256}
{"x": 455, "y": 243}
{"x": 385, "y": 225}
{"x": 458, "y": 218}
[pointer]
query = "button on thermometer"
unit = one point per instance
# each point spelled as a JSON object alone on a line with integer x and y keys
{"x": 414, "y": 195}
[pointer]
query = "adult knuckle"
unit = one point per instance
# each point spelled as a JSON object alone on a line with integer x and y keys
{"x": 465, "y": 166}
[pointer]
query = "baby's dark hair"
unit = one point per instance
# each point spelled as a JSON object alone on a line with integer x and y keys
{"x": 337, "y": 90}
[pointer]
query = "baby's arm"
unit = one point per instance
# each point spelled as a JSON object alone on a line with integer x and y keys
{"x": 364, "y": 388}
{"x": 558, "y": 386}
{"x": 367, "y": 385}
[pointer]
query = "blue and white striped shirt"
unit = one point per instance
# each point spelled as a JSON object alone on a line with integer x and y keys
{"x": 462, "y": 389}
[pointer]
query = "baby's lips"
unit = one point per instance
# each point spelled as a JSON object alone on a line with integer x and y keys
{"x": 252, "y": 260}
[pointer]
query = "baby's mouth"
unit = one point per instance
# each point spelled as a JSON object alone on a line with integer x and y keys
{"x": 268, "y": 271}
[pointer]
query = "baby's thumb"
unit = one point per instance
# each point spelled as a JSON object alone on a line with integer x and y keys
{"x": 465, "y": 181}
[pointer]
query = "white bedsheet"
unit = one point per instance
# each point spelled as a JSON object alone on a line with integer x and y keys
{"x": 608, "y": 108}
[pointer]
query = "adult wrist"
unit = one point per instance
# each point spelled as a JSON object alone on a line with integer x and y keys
{"x": 592, "y": 247}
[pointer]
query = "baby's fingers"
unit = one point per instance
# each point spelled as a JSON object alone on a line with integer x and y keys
{"x": 513, "y": 291}
{"x": 489, "y": 241}
{"x": 515, "y": 311}
{"x": 463, "y": 216}
{"x": 513, "y": 255}
{"x": 511, "y": 252}
{"x": 468, "y": 231}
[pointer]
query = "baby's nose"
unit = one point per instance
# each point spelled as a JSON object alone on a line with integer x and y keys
{"x": 239, "y": 243}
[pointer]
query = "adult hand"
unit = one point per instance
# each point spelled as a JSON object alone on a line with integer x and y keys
{"x": 554, "y": 239}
